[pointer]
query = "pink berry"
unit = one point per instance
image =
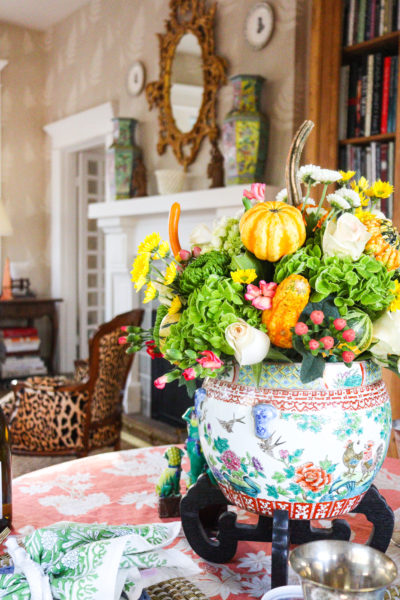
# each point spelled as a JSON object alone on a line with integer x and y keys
{"x": 313, "y": 344}
{"x": 301, "y": 328}
{"x": 184, "y": 255}
{"x": 349, "y": 335}
{"x": 348, "y": 356}
{"x": 196, "y": 251}
{"x": 317, "y": 316}
{"x": 339, "y": 324}
{"x": 328, "y": 342}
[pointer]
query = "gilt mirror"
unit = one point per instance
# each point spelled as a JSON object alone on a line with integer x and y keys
{"x": 186, "y": 91}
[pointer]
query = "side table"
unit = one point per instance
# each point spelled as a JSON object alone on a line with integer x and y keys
{"x": 30, "y": 308}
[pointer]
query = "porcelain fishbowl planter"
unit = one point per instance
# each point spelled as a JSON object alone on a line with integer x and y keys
{"x": 312, "y": 449}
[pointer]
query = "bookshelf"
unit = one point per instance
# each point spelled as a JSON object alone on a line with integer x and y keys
{"x": 327, "y": 55}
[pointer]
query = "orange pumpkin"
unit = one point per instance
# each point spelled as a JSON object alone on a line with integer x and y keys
{"x": 271, "y": 230}
{"x": 290, "y": 299}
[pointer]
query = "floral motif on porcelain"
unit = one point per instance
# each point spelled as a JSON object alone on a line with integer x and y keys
{"x": 314, "y": 452}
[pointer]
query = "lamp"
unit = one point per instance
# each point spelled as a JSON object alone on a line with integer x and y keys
{"x": 5, "y": 230}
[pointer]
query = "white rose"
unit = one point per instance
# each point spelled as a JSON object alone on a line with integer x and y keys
{"x": 250, "y": 345}
{"x": 200, "y": 236}
{"x": 345, "y": 237}
{"x": 386, "y": 330}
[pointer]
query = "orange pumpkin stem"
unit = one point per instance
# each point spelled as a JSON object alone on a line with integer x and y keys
{"x": 174, "y": 214}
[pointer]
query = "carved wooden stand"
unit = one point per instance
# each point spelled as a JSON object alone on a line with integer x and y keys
{"x": 213, "y": 533}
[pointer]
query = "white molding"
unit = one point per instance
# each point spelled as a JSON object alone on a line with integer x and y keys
{"x": 3, "y": 63}
{"x": 199, "y": 200}
{"x": 81, "y": 131}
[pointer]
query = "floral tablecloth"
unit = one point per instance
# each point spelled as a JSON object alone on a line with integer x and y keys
{"x": 119, "y": 488}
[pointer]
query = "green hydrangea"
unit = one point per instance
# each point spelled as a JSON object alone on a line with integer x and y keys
{"x": 219, "y": 302}
{"x": 198, "y": 271}
{"x": 229, "y": 237}
{"x": 364, "y": 283}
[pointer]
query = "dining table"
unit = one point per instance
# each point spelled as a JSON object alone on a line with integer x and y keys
{"x": 119, "y": 488}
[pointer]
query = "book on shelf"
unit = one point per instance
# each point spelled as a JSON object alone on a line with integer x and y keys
{"x": 368, "y": 96}
{"x": 374, "y": 160}
{"x": 367, "y": 19}
{"x": 19, "y": 339}
{"x": 21, "y": 366}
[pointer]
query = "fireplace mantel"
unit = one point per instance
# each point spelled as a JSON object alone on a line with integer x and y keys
{"x": 126, "y": 222}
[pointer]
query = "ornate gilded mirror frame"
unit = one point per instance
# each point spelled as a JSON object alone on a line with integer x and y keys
{"x": 189, "y": 16}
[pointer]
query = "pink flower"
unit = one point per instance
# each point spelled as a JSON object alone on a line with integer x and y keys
{"x": 124, "y": 328}
{"x": 122, "y": 340}
{"x": 184, "y": 255}
{"x": 261, "y": 297}
{"x": 230, "y": 460}
{"x": 283, "y": 454}
{"x": 301, "y": 328}
{"x": 328, "y": 342}
{"x": 313, "y": 344}
{"x": 210, "y": 360}
{"x": 161, "y": 382}
{"x": 256, "y": 192}
{"x": 349, "y": 335}
{"x": 196, "y": 251}
{"x": 189, "y": 374}
{"x": 348, "y": 356}
{"x": 339, "y": 324}
{"x": 317, "y": 316}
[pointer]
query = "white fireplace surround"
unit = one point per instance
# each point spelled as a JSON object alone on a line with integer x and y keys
{"x": 125, "y": 223}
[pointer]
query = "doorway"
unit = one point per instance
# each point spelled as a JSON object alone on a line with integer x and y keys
{"x": 90, "y": 300}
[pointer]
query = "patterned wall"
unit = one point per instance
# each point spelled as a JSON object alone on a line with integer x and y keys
{"x": 83, "y": 61}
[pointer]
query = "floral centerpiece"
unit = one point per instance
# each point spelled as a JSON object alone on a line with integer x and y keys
{"x": 297, "y": 295}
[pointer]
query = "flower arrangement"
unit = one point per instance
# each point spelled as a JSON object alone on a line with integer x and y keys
{"x": 278, "y": 282}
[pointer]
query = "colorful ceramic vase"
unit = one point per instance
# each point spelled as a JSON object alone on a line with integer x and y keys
{"x": 312, "y": 449}
{"x": 122, "y": 157}
{"x": 245, "y": 133}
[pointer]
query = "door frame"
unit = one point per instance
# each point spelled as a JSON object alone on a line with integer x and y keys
{"x": 80, "y": 131}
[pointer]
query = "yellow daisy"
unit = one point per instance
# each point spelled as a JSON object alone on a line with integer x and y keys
{"x": 346, "y": 175}
{"x": 150, "y": 293}
{"x": 162, "y": 250}
{"x": 360, "y": 186}
{"x": 380, "y": 189}
{"x": 395, "y": 305}
{"x": 140, "y": 267}
{"x": 149, "y": 243}
{"x": 170, "y": 274}
{"x": 176, "y": 306}
{"x": 140, "y": 282}
{"x": 244, "y": 275}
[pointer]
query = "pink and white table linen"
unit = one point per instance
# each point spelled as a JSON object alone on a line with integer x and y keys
{"x": 119, "y": 488}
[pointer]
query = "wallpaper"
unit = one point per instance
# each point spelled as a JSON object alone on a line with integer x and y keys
{"x": 83, "y": 61}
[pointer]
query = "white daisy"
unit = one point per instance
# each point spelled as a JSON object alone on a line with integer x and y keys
{"x": 350, "y": 195}
{"x": 309, "y": 174}
{"x": 311, "y": 210}
{"x": 338, "y": 202}
{"x": 329, "y": 176}
{"x": 310, "y": 202}
{"x": 282, "y": 196}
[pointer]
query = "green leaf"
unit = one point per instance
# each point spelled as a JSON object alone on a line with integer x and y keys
{"x": 257, "y": 370}
{"x": 312, "y": 368}
{"x": 277, "y": 355}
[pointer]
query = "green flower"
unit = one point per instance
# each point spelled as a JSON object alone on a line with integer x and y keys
{"x": 198, "y": 271}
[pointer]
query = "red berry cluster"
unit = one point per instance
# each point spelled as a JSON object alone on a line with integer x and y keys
{"x": 335, "y": 334}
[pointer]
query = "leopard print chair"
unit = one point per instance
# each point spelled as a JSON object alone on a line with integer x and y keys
{"x": 51, "y": 415}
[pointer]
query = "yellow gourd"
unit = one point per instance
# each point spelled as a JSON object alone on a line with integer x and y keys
{"x": 271, "y": 230}
{"x": 384, "y": 242}
{"x": 290, "y": 299}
